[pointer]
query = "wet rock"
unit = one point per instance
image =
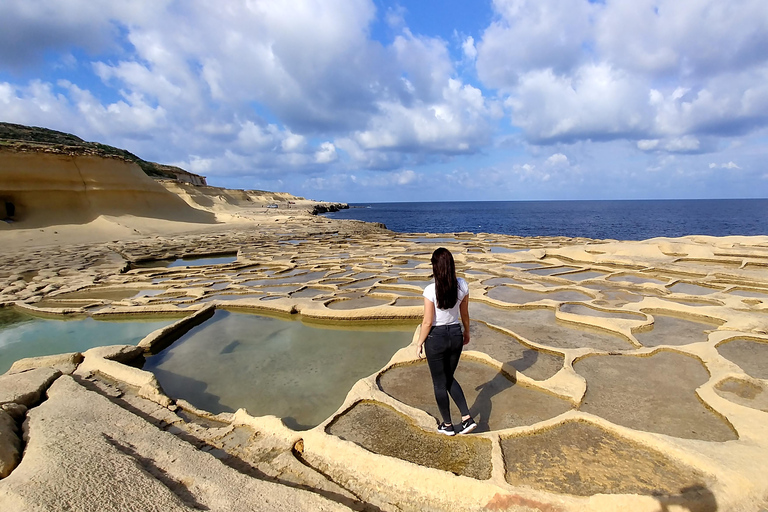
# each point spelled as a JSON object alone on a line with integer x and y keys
{"x": 381, "y": 429}
{"x": 539, "y": 325}
{"x": 752, "y": 394}
{"x": 495, "y": 399}
{"x": 662, "y": 388}
{"x": 672, "y": 330}
{"x": 584, "y": 459}
{"x": 750, "y": 354}
{"x": 515, "y": 356}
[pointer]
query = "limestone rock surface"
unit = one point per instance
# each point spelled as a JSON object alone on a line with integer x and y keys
{"x": 65, "y": 363}
{"x": 26, "y": 388}
{"x": 97, "y": 456}
{"x": 119, "y": 353}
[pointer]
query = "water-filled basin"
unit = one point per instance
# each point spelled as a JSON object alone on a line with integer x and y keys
{"x": 23, "y": 335}
{"x": 273, "y": 366}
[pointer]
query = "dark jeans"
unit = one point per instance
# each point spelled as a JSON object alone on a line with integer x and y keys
{"x": 443, "y": 349}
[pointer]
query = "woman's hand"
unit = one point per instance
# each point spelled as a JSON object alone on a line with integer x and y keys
{"x": 464, "y": 312}
{"x": 426, "y": 325}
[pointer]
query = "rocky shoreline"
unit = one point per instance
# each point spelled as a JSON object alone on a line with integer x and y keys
{"x": 553, "y": 320}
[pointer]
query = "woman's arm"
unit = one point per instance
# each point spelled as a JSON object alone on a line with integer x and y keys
{"x": 426, "y": 324}
{"x": 464, "y": 312}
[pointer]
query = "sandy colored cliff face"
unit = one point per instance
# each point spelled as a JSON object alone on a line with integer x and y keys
{"x": 225, "y": 199}
{"x": 55, "y": 189}
{"x": 79, "y": 198}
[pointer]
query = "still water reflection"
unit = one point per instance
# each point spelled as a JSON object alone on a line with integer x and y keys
{"x": 273, "y": 366}
{"x": 23, "y": 335}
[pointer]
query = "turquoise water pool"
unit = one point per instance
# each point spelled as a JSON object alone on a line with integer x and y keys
{"x": 23, "y": 335}
{"x": 267, "y": 365}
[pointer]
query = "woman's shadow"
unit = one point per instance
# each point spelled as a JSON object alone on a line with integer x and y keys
{"x": 506, "y": 378}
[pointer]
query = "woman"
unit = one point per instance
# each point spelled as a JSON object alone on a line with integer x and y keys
{"x": 444, "y": 301}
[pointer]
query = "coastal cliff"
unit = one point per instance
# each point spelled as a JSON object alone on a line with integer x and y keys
{"x": 41, "y": 188}
{"x": 33, "y": 139}
{"x": 54, "y": 178}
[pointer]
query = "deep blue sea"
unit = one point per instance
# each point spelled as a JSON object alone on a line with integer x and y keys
{"x": 619, "y": 220}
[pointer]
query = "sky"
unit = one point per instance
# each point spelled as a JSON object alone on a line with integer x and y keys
{"x": 422, "y": 100}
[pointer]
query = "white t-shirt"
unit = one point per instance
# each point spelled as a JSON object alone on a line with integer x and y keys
{"x": 447, "y": 316}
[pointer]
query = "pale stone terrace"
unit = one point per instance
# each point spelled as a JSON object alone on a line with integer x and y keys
{"x": 604, "y": 375}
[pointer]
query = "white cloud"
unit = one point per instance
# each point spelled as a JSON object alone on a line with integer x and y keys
{"x": 405, "y": 177}
{"x": 647, "y": 145}
{"x": 28, "y": 30}
{"x": 456, "y": 122}
{"x": 532, "y": 35}
{"x": 683, "y": 144}
{"x": 395, "y": 182}
{"x": 312, "y": 63}
{"x": 680, "y": 73}
{"x": 729, "y": 165}
{"x": 293, "y": 142}
{"x": 558, "y": 159}
{"x": 468, "y": 47}
{"x": 596, "y": 102}
{"x": 689, "y": 38}
{"x": 326, "y": 153}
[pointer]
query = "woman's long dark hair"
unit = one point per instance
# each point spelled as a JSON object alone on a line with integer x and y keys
{"x": 444, "y": 270}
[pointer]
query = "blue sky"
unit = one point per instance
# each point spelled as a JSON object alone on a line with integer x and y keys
{"x": 372, "y": 100}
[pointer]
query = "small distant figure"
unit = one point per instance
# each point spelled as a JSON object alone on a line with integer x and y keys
{"x": 441, "y": 338}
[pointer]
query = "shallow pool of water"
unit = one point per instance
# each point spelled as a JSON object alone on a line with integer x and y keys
{"x": 500, "y": 249}
{"x": 187, "y": 262}
{"x": 273, "y": 366}
{"x": 442, "y": 240}
{"x": 24, "y": 335}
{"x": 692, "y": 289}
{"x": 199, "y": 262}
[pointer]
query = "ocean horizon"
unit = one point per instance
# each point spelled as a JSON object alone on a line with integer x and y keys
{"x": 630, "y": 219}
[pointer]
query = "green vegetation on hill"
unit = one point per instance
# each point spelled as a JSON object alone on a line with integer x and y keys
{"x": 32, "y": 138}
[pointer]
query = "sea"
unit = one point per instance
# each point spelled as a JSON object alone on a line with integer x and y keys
{"x": 617, "y": 220}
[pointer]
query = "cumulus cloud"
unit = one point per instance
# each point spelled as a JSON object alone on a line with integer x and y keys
{"x": 558, "y": 159}
{"x": 532, "y": 35}
{"x": 30, "y": 29}
{"x": 326, "y": 153}
{"x": 594, "y": 102}
{"x": 468, "y": 47}
{"x": 686, "y": 39}
{"x": 669, "y": 75}
{"x": 729, "y": 165}
{"x": 453, "y": 122}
